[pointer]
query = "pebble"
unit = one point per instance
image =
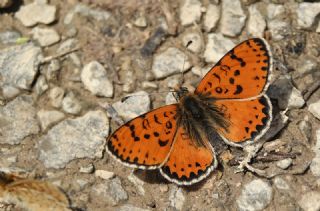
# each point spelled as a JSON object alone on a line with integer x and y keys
{"x": 153, "y": 42}
{"x": 277, "y": 23}
{"x": 82, "y": 137}
{"x": 170, "y": 99}
{"x": 138, "y": 103}
{"x": 45, "y": 36}
{"x": 233, "y": 18}
{"x": 305, "y": 127}
{"x": 310, "y": 201}
{"x": 41, "y": 85}
{"x": 104, "y": 174}
{"x": 109, "y": 191}
{"x": 18, "y": 120}
{"x": 70, "y": 104}
{"x": 201, "y": 71}
{"x": 67, "y": 45}
{"x": 313, "y": 108}
{"x": 176, "y": 198}
{"x": 295, "y": 99}
{"x": 315, "y": 163}
{"x": 274, "y": 145}
{"x": 306, "y": 14}
{"x": 9, "y": 37}
{"x": 255, "y": 195}
{"x": 281, "y": 183}
{"x": 51, "y": 72}
{"x": 256, "y": 24}
{"x": 149, "y": 85}
{"x": 307, "y": 66}
{"x": 217, "y": 47}
{"x": 19, "y": 65}
{"x": 212, "y": 17}
{"x": 197, "y": 43}
{"x": 138, "y": 183}
{"x": 190, "y": 12}
{"x": 5, "y": 3}
{"x": 129, "y": 82}
{"x": 169, "y": 62}
{"x": 141, "y": 22}
{"x": 95, "y": 78}
{"x": 56, "y": 95}
{"x": 10, "y": 92}
{"x": 284, "y": 164}
{"x": 88, "y": 169}
{"x": 129, "y": 207}
{"x": 35, "y": 13}
{"x": 48, "y": 118}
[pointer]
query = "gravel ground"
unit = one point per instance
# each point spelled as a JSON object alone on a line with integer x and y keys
{"x": 62, "y": 63}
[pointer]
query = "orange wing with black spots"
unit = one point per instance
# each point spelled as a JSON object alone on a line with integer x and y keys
{"x": 241, "y": 73}
{"x": 145, "y": 141}
{"x": 248, "y": 119}
{"x": 188, "y": 163}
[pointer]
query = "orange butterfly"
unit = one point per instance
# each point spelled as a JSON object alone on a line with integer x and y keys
{"x": 229, "y": 105}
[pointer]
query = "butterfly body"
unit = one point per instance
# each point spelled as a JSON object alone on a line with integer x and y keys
{"x": 228, "y": 106}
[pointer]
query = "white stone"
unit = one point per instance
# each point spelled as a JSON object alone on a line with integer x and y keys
{"x": 104, "y": 174}
{"x": 94, "y": 77}
{"x": 281, "y": 184}
{"x": 212, "y": 17}
{"x": 70, "y": 104}
{"x": 45, "y": 36}
{"x": 49, "y": 117}
{"x": 285, "y": 163}
{"x": 176, "y": 198}
{"x": 307, "y": 66}
{"x": 9, "y": 37}
{"x": 10, "y": 91}
{"x": 129, "y": 207}
{"x": 306, "y": 14}
{"x": 88, "y": 169}
{"x": 295, "y": 99}
{"x": 82, "y": 137}
{"x": 34, "y": 13}
{"x": 149, "y": 85}
{"x": 310, "y": 201}
{"x": 196, "y": 42}
{"x": 136, "y": 104}
{"x": 233, "y": 18}
{"x": 56, "y": 95}
{"x": 217, "y": 47}
{"x": 41, "y": 85}
{"x": 169, "y": 62}
{"x": 190, "y": 12}
{"x": 170, "y": 99}
{"x": 277, "y": 23}
{"x": 314, "y": 108}
{"x": 255, "y": 195}
{"x": 141, "y": 21}
{"x": 138, "y": 183}
{"x": 256, "y": 23}
{"x": 315, "y": 164}
{"x": 67, "y": 45}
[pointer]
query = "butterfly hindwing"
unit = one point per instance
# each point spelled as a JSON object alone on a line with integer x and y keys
{"x": 145, "y": 141}
{"x": 242, "y": 73}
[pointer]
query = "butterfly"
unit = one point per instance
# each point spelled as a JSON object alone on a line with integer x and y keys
{"x": 229, "y": 105}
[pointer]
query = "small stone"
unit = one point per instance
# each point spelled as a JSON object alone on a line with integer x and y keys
{"x": 67, "y": 45}
{"x": 255, "y": 195}
{"x": 104, "y": 174}
{"x": 18, "y": 120}
{"x": 275, "y": 145}
{"x": 134, "y": 105}
{"x": 233, "y": 18}
{"x": 313, "y": 108}
{"x": 307, "y": 66}
{"x": 56, "y": 95}
{"x": 295, "y": 99}
{"x": 281, "y": 184}
{"x": 305, "y": 127}
{"x": 196, "y": 42}
{"x": 310, "y": 201}
{"x": 190, "y": 12}
{"x": 163, "y": 188}
{"x": 141, "y": 21}
{"x": 51, "y": 72}
{"x": 170, "y": 99}
{"x": 149, "y": 85}
{"x": 176, "y": 198}
{"x": 10, "y": 92}
{"x": 75, "y": 59}
{"x": 138, "y": 183}
{"x": 212, "y": 17}
{"x": 129, "y": 83}
{"x": 82, "y": 137}
{"x": 41, "y": 85}
{"x": 88, "y": 169}
{"x": 129, "y": 207}
{"x": 45, "y": 36}
{"x": 70, "y": 104}
{"x": 8, "y": 37}
{"x": 217, "y": 47}
{"x": 109, "y": 192}
{"x": 277, "y": 23}
{"x": 48, "y": 118}
{"x": 201, "y": 71}
{"x": 5, "y": 3}
{"x": 284, "y": 164}
{"x": 315, "y": 164}
{"x": 34, "y": 13}
{"x": 256, "y": 23}
{"x": 307, "y": 13}
{"x": 275, "y": 11}
{"x": 95, "y": 78}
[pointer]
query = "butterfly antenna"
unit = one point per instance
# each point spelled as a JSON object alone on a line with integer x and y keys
{"x": 184, "y": 62}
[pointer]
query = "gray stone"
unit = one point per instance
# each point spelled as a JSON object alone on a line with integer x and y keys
{"x": 45, "y": 36}
{"x": 170, "y": 99}
{"x": 129, "y": 207}
{"x": 48, "y": 118}
{"x": 103, "y": 174}
{"x": 307, "y": 13}
{"x": 138, "y": 183}
{"x": 82, "y": 137}
{"x": 18, "y": 120}
{"x": 138, "y": 103}
{"x": 176, "y": 198}
{"x": 295, "y": 99}
{"x": 315, "y": 164}
{"x": 19, "y": 65}
{"x": 256, "y": 23}
{"x": 281, "y": 184}
{"x": 310, "y": 201}
{"x": 140, "y": 21}
{"x": 95, "y": 79}
{"x": 217, "y": 47}
{"x": 8, "y": 37}
{"x": 10, "y": 92}
{"x": 277, "y": 23}
{"x": 197, "y": 43}
{"x": 34, "y": 13}
{"x": 169, "y": 62}
{"x": 110, "y": 192}
{"x": 56, "y": 95}
{"x": 285, "y": 163}
{"x": 70, "y": 104}
{"x": 255, "y": 195}
{"x": 67, "y": 45}
{"x": 41, "y": 85}
{"x": 314, "y": 109}
{"x": 88, "y": 169}
{"x": 212, "y": 17}
{"x": 275, "y": 11}
{"x": 129, "y": 82}
{"x": 233, "y": 18}
{"x": 307, "y": 66}
{"x": 190, "y": 12}
{"x": 51, "y": 72}
{"x": 305, "y": 127}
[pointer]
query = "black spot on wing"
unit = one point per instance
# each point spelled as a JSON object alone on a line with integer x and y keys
{"x": 238, "y": 90}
